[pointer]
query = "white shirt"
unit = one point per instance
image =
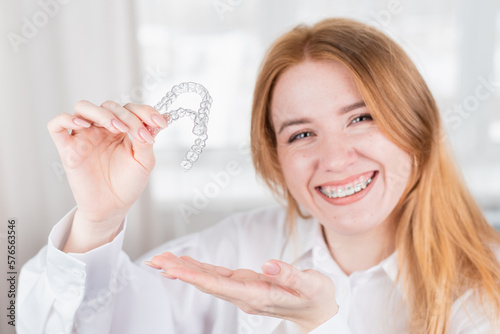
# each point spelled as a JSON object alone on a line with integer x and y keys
{"x": 102, "y": 291}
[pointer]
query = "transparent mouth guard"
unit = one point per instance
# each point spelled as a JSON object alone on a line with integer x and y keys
{"x": 200, "y": 117}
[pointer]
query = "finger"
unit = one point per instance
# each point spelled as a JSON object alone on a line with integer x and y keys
{"x": 241, "y": 274}
{"x": 220, "y": 286}
{"x": 284, "y": 275}
{"x": 151, "y": 118}
{"x": 58, "y": 128}
{"x": 189, "y": 272}
{"x": 247, "y": 274}
{"x": 130, "y": 122}
{"x": 144, "y": 154}
{"x": 99, "y": 116}
{"x": 164, "y": 274}
{"x": 148, "y": 115}
{"x": 168, "y": 262}
{"x": 209, "y": 267}
{"x": 150, "y": 264}
{"x": 171, "y": 263}
{"x": 164, "y": 260}
{"x": 143, "y": 148}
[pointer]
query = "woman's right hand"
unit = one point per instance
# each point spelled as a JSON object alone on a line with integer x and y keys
{"x": 107, "y": 172}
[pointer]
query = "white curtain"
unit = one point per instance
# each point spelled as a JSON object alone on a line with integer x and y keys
{"x": 53, "y": 53}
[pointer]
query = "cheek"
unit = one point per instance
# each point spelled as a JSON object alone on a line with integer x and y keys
{"x": 400, "y": 171}
{"x": 397, "y": 167}
{"x": 396, "y": 164}
{"x": 295, "y": 165}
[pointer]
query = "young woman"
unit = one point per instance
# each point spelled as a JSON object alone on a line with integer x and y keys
{"x": 378, "y": 233}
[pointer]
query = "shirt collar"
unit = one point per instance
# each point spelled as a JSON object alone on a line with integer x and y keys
{"x": 308, "y": 238}
{"x": 307, "y": 231}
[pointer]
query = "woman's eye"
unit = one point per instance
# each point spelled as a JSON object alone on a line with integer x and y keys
{"x": 299, "y": 136}
{"x": 361, "y": 118}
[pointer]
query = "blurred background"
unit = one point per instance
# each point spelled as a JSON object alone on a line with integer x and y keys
{"x": 54, "y": 53}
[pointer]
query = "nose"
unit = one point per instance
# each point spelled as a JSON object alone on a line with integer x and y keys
{"x": 337, "y": 153}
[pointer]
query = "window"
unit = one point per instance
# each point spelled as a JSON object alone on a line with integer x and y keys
{"x": 220, "y": 43}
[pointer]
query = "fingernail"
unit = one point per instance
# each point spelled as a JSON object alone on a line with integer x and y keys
{"x": 164, "y": 274}
{"x": 146, "y": 136}
{"x": 81, "y": 122}
{"x": 271, "y": 268}
{"x": 150, "y": 264}
{"x": 160, "y": 121}
{"x": 111, "y": 128}
{"x": 119, "y": 125}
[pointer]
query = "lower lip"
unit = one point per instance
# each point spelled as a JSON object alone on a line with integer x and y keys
{"x": 352, "y": 198}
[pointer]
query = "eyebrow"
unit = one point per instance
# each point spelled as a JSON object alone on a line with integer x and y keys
{"x": 299, "y": 121}
{"x": 353, "y": 106}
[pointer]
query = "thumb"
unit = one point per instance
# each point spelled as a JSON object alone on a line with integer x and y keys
{"x": 284, "y": 274}
{"x": 143, "y": 153}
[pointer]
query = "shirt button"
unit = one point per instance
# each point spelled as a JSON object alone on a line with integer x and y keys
{"x": 75, "y": 291}
{"x": 78, "y": 273}
{"x": 343, "y": 291}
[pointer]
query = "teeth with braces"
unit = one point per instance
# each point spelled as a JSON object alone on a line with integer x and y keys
{"x": 348, "y": 190}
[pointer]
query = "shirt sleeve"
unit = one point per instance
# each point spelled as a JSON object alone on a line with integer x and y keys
{"x": 77, "y": 293}
{"x": 335, "y": 325}
{"x": 53, "y": 284}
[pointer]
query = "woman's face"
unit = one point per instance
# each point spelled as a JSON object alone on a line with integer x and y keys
{"x": 336, "y": 162}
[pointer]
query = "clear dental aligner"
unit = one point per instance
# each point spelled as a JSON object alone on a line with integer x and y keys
{"x": 200, "y": 117}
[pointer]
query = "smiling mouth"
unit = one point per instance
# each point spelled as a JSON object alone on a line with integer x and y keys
{"x": 348, "y": 189}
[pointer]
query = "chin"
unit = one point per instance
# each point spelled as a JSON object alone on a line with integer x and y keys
{"x": 350, "y": 224}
